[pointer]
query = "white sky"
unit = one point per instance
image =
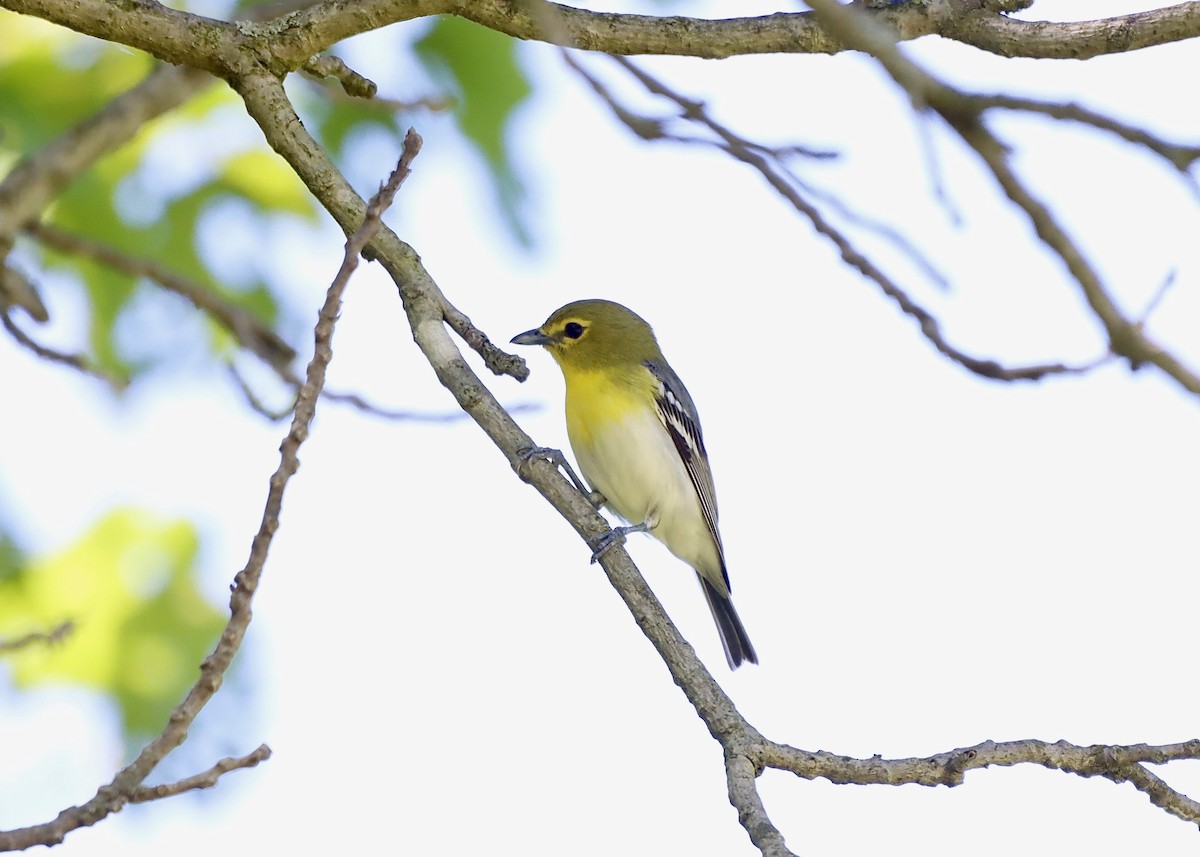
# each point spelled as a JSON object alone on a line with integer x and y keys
{"x": 924, "y": 560}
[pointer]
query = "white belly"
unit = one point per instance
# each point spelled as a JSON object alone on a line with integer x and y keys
{"x": 635, "y": 465}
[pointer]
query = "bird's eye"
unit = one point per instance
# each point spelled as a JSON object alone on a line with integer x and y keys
{"x": 573, "y": 330}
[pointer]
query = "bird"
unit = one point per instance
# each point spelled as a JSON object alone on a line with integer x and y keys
{"x": 636, "y": 436}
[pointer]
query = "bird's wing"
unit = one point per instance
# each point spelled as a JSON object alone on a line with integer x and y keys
{"x": 678, "y": 413}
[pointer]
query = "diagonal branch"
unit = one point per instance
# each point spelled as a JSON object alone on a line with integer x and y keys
{"x": 963, "y": 113}
{"x": 248, "y": 330}
{"x": 766, "y": 163}
{"x": 426, "y": 307}
{"x": 746, "y": 750}
{"x": 78, "y": 362}
{"x": 204, "y": 779}
{"x": 126, "y": 785}
{"x": 741, "y": 780}
{"x": 34, "y": 182}
{"x": 38, "y": 638}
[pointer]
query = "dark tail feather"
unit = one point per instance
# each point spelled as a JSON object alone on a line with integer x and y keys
{"x": 733, "y": 636}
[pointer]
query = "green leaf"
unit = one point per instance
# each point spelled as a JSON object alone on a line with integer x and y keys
{"x": 141, "y": 626}
{"x": 338, "y": 118}
{"x": 51, "y": 78}
{"x": 482, "y": 65}
{"x": 262, "y": 177}
{"x": 12, "y": 558}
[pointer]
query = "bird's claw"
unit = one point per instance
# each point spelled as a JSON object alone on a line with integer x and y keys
{"x": 615, "y": 536}
{"x": 555, "y": 457}
{"x": 531, "y": 453}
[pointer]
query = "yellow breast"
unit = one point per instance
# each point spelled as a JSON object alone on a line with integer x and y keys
{"x": 596, "y": 401}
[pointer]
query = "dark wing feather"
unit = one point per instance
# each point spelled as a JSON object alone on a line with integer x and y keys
{"x": 678, "y": 413}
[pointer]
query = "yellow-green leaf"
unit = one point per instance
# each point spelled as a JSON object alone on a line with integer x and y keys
{"x": 141, "y": 626}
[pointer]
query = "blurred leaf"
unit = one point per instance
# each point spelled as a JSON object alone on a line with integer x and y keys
{"x": 141, "y": 625}
{"x": 51, "y": 78}
{"x": 88, "y": 208}
{"x": 340, "y": 117}
{"x": 482, "y": 64}
{"x": 12, "y": 558}
{"x": 265, "y": 179}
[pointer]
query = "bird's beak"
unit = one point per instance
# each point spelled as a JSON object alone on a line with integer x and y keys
{"x": 532, "y": 337}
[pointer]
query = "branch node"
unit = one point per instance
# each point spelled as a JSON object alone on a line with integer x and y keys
{"x": 353, "y": 83}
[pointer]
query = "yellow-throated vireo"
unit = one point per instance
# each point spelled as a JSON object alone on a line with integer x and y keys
{"x": 636, "y": 435}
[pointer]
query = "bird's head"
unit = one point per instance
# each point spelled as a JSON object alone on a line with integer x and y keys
{"x": 593, "y": 335}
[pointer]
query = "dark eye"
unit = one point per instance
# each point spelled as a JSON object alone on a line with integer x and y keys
{"x": 573, "y": 330}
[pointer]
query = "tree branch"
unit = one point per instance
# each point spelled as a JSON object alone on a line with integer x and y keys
{"x": 78, "y": 362}
{"x": 48, "y": 638}
{"x": 249, "y": 332}
{"x": 34, "y": 182}
{"x": 127, "y": 783}
{"x": 203, "y": 780}
{"x": 1078, "y": 40}
{"x": 427, "y": 310}
{"x": 766, "y": 163}
{"x": 963, "y": 113}
{"x": 291, "y": 41}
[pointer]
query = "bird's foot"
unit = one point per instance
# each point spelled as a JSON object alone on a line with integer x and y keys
{"x": 555, "y": 457}
{"x": 615, "y": 536}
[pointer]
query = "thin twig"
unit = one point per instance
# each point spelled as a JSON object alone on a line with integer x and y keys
{"x": 112, "y": 797}
{"x": 249, "y": 331}
{"x": 35, "y": 181}
{"x": 203, "y": 780}
{"x": 778, "y": 178}
{"x": 1181, "y": 157}
{"x": 358, "y": 402}
{"x": 50, "y": 638}
{"x": 17, "y": 291}
{"x": 423, "y": 302}
{"x": 353, "y": 83}
{"x": 252, "y": 399}
{"x": 379, "y": 203}
{"x": 78, "y": 362}
{"x": 963, "y": 113}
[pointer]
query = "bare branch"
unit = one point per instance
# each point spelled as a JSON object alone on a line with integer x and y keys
{"x": 428, "y": 316}
{"x": 17, "y": 291}
{"x": 963, "y": 113}
{"x": 740, "y": 777}
{"x": 781, "y": 180}
{"x": 1181, "y": 157}
{"x": 78, "y": 362}
{"x": 112, "y": 797}
{"x": 49, "y": 638}
{"x": 746, "y": 749}
{"x": 352, "y": 82}
{"x": 254, "y": 401}
{"x": 249, "y": 332}
{"x": 290, "y": 42}
{"x": 203, "y": 780}
{"x": 30, "y": 185}
{"x": 1010, "y": 37}
{"x": 35, "y": 181}
{"x": 1161, "y": 795}
{"x": 974, "y": 22}
{"x": 948, "y": 768}
{"x": 356, "y": 401}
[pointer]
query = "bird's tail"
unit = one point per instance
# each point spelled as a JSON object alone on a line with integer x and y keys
{"x": 736, "y": 643}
